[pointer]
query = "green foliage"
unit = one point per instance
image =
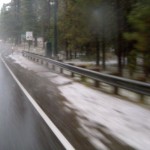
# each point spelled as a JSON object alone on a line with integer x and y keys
{"x": 72, "y": 26}
{"x": 20, "y": 16}
{"x": 83, "y": 21}
{"x": 84, "y": 25}
{"x": 10, "y": 22}
{"x": 28, "y": 15}
{"x": 132, "y": 62}
{"x": 139, "y": 18}
{"x": 43, "y": 17}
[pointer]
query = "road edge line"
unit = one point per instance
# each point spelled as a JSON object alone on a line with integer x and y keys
{"x": 47, "y": 120}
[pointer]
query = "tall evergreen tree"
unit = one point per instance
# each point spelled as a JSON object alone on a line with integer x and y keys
{"x": 139, "y": 18}
{"x": 10, "y": 21}
{"x": 29, "y": 17}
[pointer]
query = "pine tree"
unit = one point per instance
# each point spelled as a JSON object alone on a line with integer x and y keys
{"x": 10, "y": 21}
{"x": 29, "y": 17}
{"x": 139, "y": 18}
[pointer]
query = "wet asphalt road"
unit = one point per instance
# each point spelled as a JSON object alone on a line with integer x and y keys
{"x": 21, "y": 127}
{"x": 33, "y": 134}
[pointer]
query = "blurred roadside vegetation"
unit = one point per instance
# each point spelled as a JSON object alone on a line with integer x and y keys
{"x": 92, "y": 29}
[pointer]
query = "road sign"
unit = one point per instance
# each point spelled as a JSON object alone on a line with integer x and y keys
{"x": 29, "y": 36}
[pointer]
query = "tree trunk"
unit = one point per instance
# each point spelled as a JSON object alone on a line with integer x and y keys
{"x": 119, "y": 54}
{"x": 35, "y": 42}
{"x": 67, "y": 52}
{"x": 103, "y": 52}
{"x": 146, "y": 67}
{"x": 67, "y": 55}
{"x": 75, "y": 54}
{"x": 97, "y": 51}
{"x": 87, "y": 49}
{"x": 70, "y": 54}
{"x": 119, "y": 36}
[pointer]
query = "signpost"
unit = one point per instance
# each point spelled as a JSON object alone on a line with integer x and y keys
{"x": 29, "y": 37}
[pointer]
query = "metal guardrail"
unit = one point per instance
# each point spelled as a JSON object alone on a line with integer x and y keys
{"x": 118, "y": 82}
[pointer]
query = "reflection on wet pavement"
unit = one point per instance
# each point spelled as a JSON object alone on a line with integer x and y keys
{"x": 21, "y": 127}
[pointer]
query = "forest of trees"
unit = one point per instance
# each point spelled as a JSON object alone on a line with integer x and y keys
{"x": 91, "y": 27}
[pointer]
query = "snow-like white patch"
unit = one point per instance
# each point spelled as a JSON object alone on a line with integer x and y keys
{"x": 22, "y": 61}
{"x": 47, "y": 74}
{"x": 79, "y": 62}
{"x": 121, "y": 119}
{"x": 59, "y": 80}
{"x": 124, "y": 120}
{"x": 95, "y": 137}
{"x": 17, "y": 60}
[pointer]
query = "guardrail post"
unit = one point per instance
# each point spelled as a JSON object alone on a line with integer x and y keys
{"x": 61, "y": 70}
{"x": 47, "y": 63}
{"x": 72, "y": 74}
{"x": 83, "y": 78}
{"x": 96, "y": 83}
{"x": 116, "y": 90}
{"x": 141, "y": 98}
{"x": 53, "y": 67}
{"x": 131, "y": 85}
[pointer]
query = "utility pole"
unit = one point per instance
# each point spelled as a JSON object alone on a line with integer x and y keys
{"x": 54, "y": 3}
{"x": 120, "y": 26}
{"x": 55, "y": 27}
{"x": 17, "y": 18}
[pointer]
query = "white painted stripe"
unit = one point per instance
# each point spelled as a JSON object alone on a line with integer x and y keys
{"x": 48, "y": 121}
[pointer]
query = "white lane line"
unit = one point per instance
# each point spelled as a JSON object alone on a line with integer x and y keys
{"x": 48, "y": 121}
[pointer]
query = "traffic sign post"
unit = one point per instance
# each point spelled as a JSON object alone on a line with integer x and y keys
{"x": 29, "y": 35}
{"x": 29, "y": 38}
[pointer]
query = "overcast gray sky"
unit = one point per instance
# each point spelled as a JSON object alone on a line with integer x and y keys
{"x": 4, "y": 1}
